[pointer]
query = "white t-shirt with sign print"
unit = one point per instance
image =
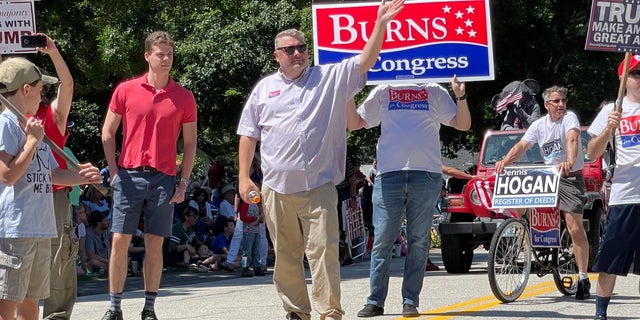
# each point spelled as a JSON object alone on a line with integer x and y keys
{"x": 552, "y": 138}
{"x": 26, "y": 208}
{"x": 625, "y": 184}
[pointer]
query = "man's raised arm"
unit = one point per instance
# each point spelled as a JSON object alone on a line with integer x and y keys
{"x": 386, "y": 12}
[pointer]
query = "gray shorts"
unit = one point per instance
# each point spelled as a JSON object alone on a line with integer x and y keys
{"x": 136, "y": 192}
{"x": 571, "y": 194}
{"x": 25, "y": 265}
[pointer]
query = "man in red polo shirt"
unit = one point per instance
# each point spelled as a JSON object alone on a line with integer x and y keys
{"x": 64, "y": 248}
{"x": 153, "y": 110}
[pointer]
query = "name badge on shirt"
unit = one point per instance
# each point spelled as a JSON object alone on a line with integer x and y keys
{"x": 407, "y": 99}
{"x": 274, "y": 94}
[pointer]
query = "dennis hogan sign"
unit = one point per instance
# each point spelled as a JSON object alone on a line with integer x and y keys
{"x": 526, "y": 187}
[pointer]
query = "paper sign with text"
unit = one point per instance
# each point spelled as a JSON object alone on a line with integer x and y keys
{"x": 428, "y": 41}
{"x": 614, "y": 26}
{"x": 545, "y": 228}
{"x": 526, "y": 187}
{"x": 17, "y": 18}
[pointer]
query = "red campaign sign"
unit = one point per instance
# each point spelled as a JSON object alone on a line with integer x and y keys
{"x": 545, "y": 228}
{"x": 614, "y": 26}
{"x": 428, "y": 40}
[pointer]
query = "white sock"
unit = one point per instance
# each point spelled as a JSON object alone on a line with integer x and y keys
{"x": 583, "y": 275}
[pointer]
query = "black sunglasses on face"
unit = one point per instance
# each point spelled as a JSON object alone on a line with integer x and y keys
{"x": 302, "y": 48}
{"x": 635, "y": 73}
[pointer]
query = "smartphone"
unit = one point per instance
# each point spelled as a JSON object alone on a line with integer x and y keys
{"x": 34, "y": 40}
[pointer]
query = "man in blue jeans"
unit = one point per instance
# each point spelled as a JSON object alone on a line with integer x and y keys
{"x": 409, "y": 177}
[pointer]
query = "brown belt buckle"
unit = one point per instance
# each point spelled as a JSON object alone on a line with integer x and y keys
{"x": 147, "y": 169}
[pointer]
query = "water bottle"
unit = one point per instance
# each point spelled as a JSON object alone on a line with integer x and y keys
{"x": 254, "y": 196}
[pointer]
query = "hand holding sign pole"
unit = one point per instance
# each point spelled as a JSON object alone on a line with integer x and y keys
{"x": 48, "y": 141}
{"x": 623, "y": 81}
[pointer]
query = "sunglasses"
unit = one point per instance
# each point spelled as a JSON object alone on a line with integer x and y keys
{"x": 302, "y": 48}
{"x": 556, "y": 101}
{"x": 635, "y": 73}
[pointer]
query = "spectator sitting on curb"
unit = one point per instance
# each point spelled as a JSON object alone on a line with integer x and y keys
{"x": 97, "y": 244}
{"x": 221, "y": 243}
{"x": 227, "y": 208}
{"x": 181, "y": 249}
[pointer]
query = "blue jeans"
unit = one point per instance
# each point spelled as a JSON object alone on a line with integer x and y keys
{"x": 251, "y": 250}
{"x": 395, "y": 195}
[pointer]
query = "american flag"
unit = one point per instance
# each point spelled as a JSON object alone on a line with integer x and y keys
{"x": 512, "y": 97}
{"x": 484, "y": 188}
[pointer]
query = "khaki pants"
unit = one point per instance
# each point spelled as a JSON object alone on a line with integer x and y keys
{"x": 305, "y": 223}
{"x": 64, "y": 252}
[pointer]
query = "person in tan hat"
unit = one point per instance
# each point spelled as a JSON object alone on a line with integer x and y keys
{"x": 27, "y": 171}
{"x": 620, "y": 242}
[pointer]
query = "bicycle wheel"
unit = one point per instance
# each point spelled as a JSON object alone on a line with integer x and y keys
{"x": 509, "y": 260}
{"x": 565, "y": 273}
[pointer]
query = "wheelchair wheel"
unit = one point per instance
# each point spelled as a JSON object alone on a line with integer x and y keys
{"x": 509, "y": 260}
{"x": 565, "y": 273}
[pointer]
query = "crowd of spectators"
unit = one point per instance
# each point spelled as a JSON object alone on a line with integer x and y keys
{"x": 202, "y": 233}
{"x": 204, "y": 226}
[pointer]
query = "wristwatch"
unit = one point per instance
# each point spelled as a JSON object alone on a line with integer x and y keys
{"x": 185, "y": 181}
{"x": 464, "y": 97}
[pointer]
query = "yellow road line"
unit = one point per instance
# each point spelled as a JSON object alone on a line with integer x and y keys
{"x": 484, "y": 303}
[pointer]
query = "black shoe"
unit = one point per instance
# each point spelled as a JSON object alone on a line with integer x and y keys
{"x": 259, "y": 272}
{"x": 409, "y": 310}
{"x": 293, "y": 316}
{"x": 370, "y": 310}
{"x": 583, "y": 289}
{"x": 247, "y": 273}
{"x": 112, "y": 315}
{"x": 148, "y": 315}
{"x": 601, "y": 317}
{"x": 227, "y": 266}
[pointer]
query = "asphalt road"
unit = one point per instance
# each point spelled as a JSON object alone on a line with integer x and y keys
{"x": 224, "y": 295}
